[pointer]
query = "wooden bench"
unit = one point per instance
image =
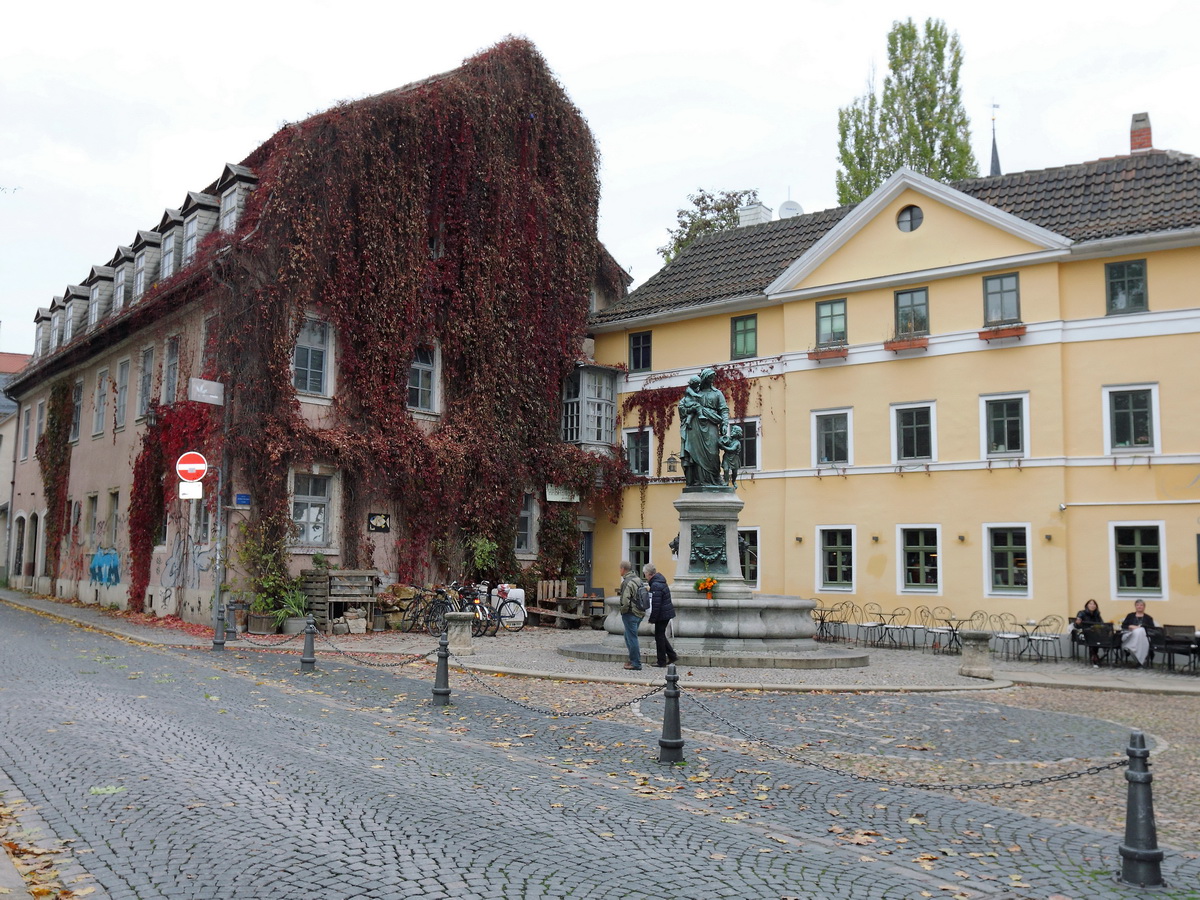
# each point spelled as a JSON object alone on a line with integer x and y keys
{"x": 556, "y": 600}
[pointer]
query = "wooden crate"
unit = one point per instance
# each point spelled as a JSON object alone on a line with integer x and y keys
{"x": 330, "y": 593}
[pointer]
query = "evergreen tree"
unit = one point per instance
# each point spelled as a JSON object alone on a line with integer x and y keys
{"x": 710, "y": 212}
{"x": 919, "y": 120}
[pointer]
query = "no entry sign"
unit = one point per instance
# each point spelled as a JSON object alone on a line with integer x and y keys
{"x": 191, "y": 466}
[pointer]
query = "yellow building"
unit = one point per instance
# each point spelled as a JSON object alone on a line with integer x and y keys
{"x": 979, "y": 395}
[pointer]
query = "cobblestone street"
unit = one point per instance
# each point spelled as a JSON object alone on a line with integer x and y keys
{"x": 182, "y": 773}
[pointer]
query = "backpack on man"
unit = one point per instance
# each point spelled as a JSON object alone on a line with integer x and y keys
{"x": 641, "y": 596}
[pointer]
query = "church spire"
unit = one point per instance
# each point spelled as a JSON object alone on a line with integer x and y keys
{"x": 995, "y": 152}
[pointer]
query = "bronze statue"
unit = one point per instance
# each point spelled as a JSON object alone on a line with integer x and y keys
{"x": 703, "y": 423}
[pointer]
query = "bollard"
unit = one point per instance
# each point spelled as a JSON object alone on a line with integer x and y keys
{"x": 441, "y": 681}
{"x": 219, "y": 626}
{"x": 308, "y": 660}
{"x": 1141, "y": 860}
{"x": 671, "y": 742}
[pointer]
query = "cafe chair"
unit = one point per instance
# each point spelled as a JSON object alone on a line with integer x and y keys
{"x": 1175, "y": 640}
{"x": 896, "y": 629}
{"x": 1103, "y": 640}
{"x": 1006, "y": 637}
{"x": 870, "y": 627}
{"x": 1046, "y": 639}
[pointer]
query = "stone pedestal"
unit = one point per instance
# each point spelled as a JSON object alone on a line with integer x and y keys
{"x": 458, "y": 632}
{"x": 976, "y": 658}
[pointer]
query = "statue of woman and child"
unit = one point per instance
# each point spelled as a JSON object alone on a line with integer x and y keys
{"x": 711, "y": 450}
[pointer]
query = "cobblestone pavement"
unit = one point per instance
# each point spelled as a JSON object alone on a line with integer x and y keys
{"x": 182, "y": 773}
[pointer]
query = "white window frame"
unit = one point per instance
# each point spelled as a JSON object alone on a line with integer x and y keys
{"x": 166, "y": 263}
{"x": 530, "y": 550}
{"x": 139, "y": 274}
{"x": 1128, "y": 597}
{"x": 93, "y": 313}
{"x": 757, "y": 582}
{"x": 901, "y": 587}
{"x": 201, "y": 523}
{"x": 330, "y": 501}
{"x": 625, "y": 545}
{"x": 815, "y": 433}
{"x": 55, "y": 330}
{"x": 326, "y": 387}
{"x": 990, "y": 590}
{"x": 118, "y": 300}
{"x": 100, "y": 402}
{"x": 26, "y": 426}
{"x": 1106, "y": 411}
{"x": 69, "y": 324}
{"x": 229, "y": 210}
{"x": 114, "y": 504}
{"x": 76, "y": 411}
{"x": 40, "y": 419}
{"x": 121, "y": 404}
{"x": 145, "y": 381}
{"x": 191, "y": 237}
{"x": 93, "y": 519}
{"x": 649, "y": 432}
{"x": 985, "y": 451}
{"x": 435, "y": 390}
{"x": 819, "y": 557}
{"x": 170, "y": 379}
{"x": 896, "y": 409}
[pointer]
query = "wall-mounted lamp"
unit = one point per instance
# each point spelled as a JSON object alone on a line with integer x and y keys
{"x": 672, "y": 463}
{"x": 874, "y": 539}
{"x": 799, "y": 539}
{"x": 962, "y": 537}
{"x": 1047, "y": 537}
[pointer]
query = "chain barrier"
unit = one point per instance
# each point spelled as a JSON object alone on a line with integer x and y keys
{"x": 924, "y": 786}
{"x": 245, "y": 636}
{"x": 579, "y": 713}
{"x": 402, "y": 661}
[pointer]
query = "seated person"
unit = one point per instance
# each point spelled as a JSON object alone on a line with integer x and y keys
{"x": 1134, "y": 638}
{"x": 1085, "y": 619}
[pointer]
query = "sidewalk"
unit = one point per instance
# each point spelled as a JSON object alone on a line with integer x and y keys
{"x": 535, "y": 653}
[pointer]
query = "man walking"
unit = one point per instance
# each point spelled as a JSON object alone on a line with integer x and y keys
{"x": 631, "y": 616}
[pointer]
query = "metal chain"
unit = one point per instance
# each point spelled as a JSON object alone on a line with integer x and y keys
{"x": 556, "y": 712}
{"x": 990, "y": 786}
{"x": 245, "y": 636}
{"x": 402, "y": 661}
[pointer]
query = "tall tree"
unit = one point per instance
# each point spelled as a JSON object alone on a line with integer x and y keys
{"x": 710, "y": 212}
{"x": 919, "y": 121}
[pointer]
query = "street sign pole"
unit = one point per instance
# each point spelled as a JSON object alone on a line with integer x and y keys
{"x": 222, "y": 532}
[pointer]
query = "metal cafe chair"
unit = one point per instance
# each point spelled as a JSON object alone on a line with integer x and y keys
{"x": 1175, "y": 640}
{"x": 870, "y": 627}
{"x": 838, "y": 622}
{"x": 1008, "y": 640}
{"x": 937, "y": 633}
{"x": 1046, "y": 638}
{"x": 1101, "y": 641}
{"x": 896, "y": 630}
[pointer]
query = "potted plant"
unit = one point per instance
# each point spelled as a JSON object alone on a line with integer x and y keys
{"x": 291, "y": 611}
{"x": 260, "y": 619}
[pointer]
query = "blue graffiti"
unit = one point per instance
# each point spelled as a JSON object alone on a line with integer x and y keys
{"x": 105, "y": 567}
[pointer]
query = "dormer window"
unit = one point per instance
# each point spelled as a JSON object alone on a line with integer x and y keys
{"x": 94, "y": 306}
{"x": 55, "y": 328}
{"x": 229, "y": 210}
{"x": 69, "y": 328}
{"x": 39, "y": 333}
{"x": 167, "y": 269}
{"x": 119, "y": 289}
{"x": 139, "y": 274}
{"x": 189, "y": 239}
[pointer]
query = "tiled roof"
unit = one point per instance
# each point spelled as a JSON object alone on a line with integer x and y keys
{"x": 1125, "y": 195}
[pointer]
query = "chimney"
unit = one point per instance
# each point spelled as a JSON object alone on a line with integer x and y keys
{"x": 754, "y": 214}
{"x": 1139, "y": 133}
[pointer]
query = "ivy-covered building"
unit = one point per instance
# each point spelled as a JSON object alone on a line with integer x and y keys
{"x": 391, "y": 296}
{"x": 978, "y": 395}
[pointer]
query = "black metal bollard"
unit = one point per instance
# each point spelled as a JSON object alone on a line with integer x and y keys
{"x": 1141, "y": 860}
{"x": 219, "y": 627}
{"x": 308, "y": 660}
{"x": 671, "y": 742}
{"x": 441, "y": 681}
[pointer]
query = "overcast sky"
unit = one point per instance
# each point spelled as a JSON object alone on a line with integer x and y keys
{"x": 109, "y": 114}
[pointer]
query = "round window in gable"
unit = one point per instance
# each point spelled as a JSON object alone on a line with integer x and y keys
{"x": 910, "y": 218}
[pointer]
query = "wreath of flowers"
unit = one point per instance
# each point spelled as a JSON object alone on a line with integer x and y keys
{"x": 705, "y": 585}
